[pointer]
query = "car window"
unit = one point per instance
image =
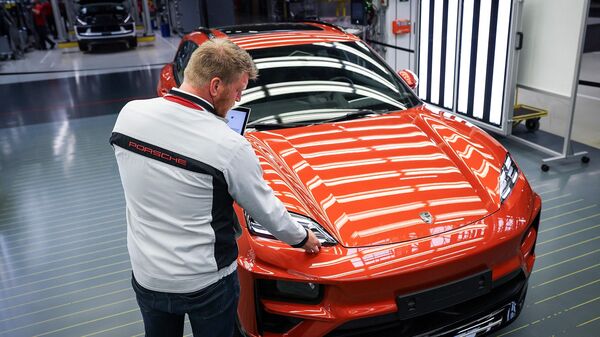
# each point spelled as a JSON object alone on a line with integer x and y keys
{"x": 181, "y": 59}
{"x": 308, "y": 82}
{"x": 97, "y": 9}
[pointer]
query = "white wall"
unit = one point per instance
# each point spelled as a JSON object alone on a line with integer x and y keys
{"x": 399, "y": 59}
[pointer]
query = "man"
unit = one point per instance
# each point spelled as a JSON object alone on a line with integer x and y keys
{"x": 181, "y": 168}
{"x": 39, "y": 19}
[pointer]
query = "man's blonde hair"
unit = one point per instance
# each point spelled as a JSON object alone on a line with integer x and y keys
{"x": 218, "y": 58}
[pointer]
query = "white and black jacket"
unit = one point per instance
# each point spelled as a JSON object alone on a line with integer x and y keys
{"x": 181, "y": 168}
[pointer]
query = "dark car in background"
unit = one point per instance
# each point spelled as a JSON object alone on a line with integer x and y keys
{"x": 104, "y": 23}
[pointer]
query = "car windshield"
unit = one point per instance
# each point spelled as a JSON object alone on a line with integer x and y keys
{"x": 321, "y": 82}
{"x": 106, "y": 8}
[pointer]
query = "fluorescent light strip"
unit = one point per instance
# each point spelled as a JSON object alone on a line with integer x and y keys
{"x": 436, "y": 47}
{"x": 450, "y": 53}
{"x": 309, "y": 61}
{"x": 288, "y": 41}
{"x": 342, "y": 46}
{"x": 482, "y": 60}
{"x": 465, "y": 56}
{"x": 424, "y": 48}
{"x": 503, "y": 27}
{"x": 284, "y": 88}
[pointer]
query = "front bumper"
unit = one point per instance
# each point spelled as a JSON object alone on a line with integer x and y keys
{"x": 476, "y": 317}
{"x": 105, "y": 33}
{"x": 362, "y": 286}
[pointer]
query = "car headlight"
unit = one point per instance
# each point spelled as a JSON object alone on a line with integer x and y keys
{"x": 127, "y": 19}
{"x": 508, "y": 177}
{"x": 324, "y": 238}
{"x": 81, "y": 22}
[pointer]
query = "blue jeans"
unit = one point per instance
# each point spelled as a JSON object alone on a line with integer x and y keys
{"x": 212, "y": 310}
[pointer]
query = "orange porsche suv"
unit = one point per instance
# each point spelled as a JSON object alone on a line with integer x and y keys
{"x": 428, "y": 225}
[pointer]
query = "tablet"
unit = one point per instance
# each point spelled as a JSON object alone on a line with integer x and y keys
{"x": 237, "y": 118}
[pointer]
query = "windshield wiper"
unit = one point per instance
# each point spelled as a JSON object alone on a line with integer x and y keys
{"x": 345, "y": 117}
{"x": 352, "y": 115}
{"x": 272, "y": 126}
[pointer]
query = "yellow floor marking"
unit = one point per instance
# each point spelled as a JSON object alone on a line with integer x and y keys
{"x": 67, "y": 44}
{"x": 559, "y": 197}
{"x": 67, "y": 315}
{"x": 590, "y": 321}
{"x": 114, "y": 328}
{"x": 70, "y": 243}
{"x": 87, "y": 322}
{"x": 69, "y": 274}
{"x": 513, "y": 330}
{"x": 570, "y": 212}
{"x": 117, "y": 219}
{"x": 569, "y": 234}
{"x": 567, "y": 247}
{"x": 566, "y": 292}
{"x": 567, "y": 260}
{"x": 584, "y": 303}
{"x": 93, "y": 252}
{"x": 562, "y": 205}
{"x": 66, "y": 304}
{"x": 66, "y": 266}
{"x": 69, "y": 293}
{"x": 146, "y": 38}
{"x": 65, "y": 284}
{"x": 569, "y": 223}
{"x": 570, "y": 274}
{"x": 46, "y": 255}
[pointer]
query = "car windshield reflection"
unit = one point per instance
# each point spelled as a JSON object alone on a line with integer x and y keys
{"x": 320, "y": 81}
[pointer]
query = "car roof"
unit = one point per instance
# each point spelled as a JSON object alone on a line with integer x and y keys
{"x": 263, "y": 35}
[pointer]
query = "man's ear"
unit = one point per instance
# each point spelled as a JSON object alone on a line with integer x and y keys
{"x": 215, "y": 84}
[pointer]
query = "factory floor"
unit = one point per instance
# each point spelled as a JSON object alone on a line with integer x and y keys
{"x": 64, "y": 265}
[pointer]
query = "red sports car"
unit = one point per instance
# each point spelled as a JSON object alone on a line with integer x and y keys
{"x": 428, "y": 225}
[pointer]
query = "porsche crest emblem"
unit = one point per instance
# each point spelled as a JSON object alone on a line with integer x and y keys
{"x": 426, "y": 217}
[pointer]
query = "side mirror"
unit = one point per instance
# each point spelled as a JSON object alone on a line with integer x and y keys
{"x": 409, "y": 78}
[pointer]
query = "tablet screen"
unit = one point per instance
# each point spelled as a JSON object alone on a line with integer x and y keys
{"x": 237, "y": 119}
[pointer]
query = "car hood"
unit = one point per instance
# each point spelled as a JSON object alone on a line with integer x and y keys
{"x": 385, "y": 179}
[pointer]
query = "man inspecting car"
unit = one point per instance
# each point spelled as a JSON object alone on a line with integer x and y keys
{"x": 182, "y": 168}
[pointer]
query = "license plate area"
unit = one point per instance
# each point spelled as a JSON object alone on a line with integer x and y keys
{"x": 447, "y": 295}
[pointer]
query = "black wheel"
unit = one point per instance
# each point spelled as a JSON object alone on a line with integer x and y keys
{"x": 83, "y": 46}
{"x": 585, "y": 159}
{"x": 532, "y": 124}
{"x": 545, "y": 167}
{"x": 133, "y": 43}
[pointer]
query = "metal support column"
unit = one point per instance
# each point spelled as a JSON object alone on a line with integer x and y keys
{"x": 135, "y": 13}
{"x": 70, "y": 9}
{"x": 567, "y": 147}
{"x": 60, "y": 26}
{"x": 147, "y": 25}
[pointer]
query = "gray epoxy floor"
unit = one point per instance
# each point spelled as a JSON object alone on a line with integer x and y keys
{"x": 64, "y": 268}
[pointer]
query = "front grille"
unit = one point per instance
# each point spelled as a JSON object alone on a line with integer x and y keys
{"x": 509, "y": 288}
{"x": 105, "y": 29}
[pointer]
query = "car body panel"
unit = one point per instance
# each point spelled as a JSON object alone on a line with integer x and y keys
{"x": 367, "y": 182}
{"x": 386, "y": 170}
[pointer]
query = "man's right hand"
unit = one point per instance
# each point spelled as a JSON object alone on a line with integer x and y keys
{"x": 312, "y": 245}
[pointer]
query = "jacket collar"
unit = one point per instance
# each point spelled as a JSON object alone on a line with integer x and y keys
{"x": 193, "y": 99}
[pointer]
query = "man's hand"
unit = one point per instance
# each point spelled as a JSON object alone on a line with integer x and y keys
{"x": 312, "y": 245}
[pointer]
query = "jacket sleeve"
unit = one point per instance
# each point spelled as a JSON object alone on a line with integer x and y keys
{"x": 248, "y": 188}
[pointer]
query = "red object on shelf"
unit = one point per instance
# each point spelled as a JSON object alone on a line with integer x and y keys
{"x": 401, "y": 26}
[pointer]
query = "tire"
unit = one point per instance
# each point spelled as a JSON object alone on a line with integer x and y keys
{"x": 545, "y": 167}
{"x": 83, "y": 46}
{"x": 532, "y": 124}
{"x": 585, "y": 159}
{"x": 133, "y": 43}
